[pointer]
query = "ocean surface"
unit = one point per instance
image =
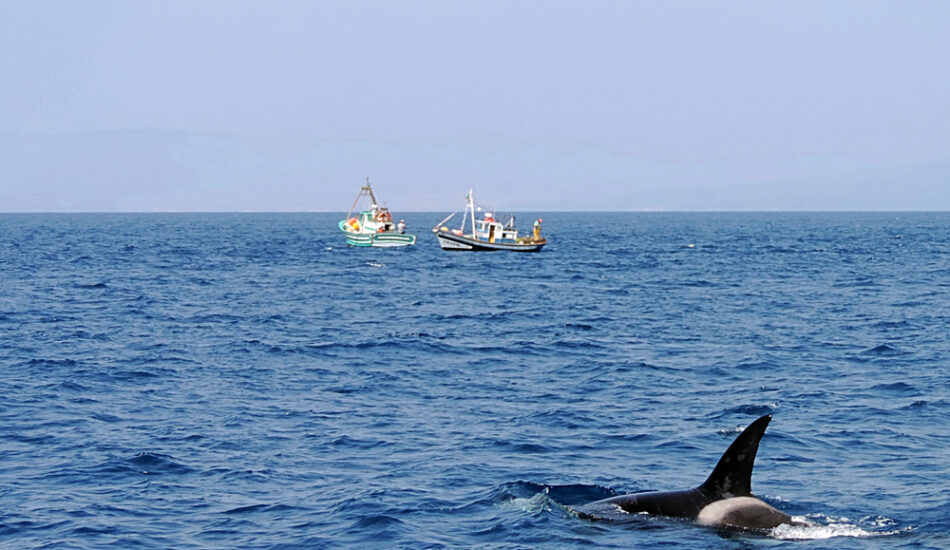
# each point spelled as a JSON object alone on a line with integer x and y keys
{"x": 249, "y": 381}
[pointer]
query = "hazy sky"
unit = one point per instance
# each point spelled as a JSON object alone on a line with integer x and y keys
{"x": 538, "y": 105}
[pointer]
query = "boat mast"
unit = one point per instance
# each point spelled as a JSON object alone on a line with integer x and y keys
{"x": 366, "y": 190}
{"x": 471, "y": 207}
{"x": 369, "y": 191}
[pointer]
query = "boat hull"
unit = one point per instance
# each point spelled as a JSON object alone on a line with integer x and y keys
{"x": 451, "y": 241}
{"x": 379, "y": 240}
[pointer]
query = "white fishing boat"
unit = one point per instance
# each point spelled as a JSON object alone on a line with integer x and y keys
{"x": 486, "y": 234}
{"x": 374, "y": 226}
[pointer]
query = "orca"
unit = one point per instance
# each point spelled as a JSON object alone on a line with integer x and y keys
{"x": 725, "y": 499}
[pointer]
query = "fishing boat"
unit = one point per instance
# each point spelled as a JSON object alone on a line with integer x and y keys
{"x": 374, "y": 226}
{"x": 486, "y": 234}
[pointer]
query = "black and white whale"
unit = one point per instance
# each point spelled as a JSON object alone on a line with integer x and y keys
{"x": 725, "y": 499}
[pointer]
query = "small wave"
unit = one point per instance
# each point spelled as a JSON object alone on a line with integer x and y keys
{"x": 535, "y": 504}
{"x": 146, "y": 463}
{"x": 242, "y": 476}
{"x": 255, "y": 508}
{"x": 755, "y": 365}
{"x": 86, "y": 335}
{"x": 157, "y": 463}
{"x": 631, "y": 437}
{"x": 378, "y": 521}
{"x": 103, "y": 417}
{"x": 92, "y": 285}
{"x": 526, "y": 448}
{"x": 517, "y": 489}
{"x": 412, "y": 343}
{"x": 137, "y": 375}
{"x": 95, "y": 530}
{"x": 678, "y": 446}
{"x": 897, "y": 388}
{"x": 51, "y": 363}
{"x": 749, "y": 409}
{"x": 345, "y": 389}
{"x": 72, "y": 386}
{"x": 150, "y": 359}
{"x": 891, "y": 324}
{"x": 916, "y": 406}
{"x": 571, "y": 344}
{"x": 793, "y": 458}
{"x": 530, "y": 496}
{"x": 638, "y": 366}
{"x": 29, "y": 439}
{"x": 883, "y": 349}
{"x": 857, "y": 283}
{"x": 910, "y": 303}
{"x": 823, "y": 527}
{"x": 214, "y": 318}
{"x": 178, "y": 438}
{"x": 771, "y": 248}
{"x": 346, "y": 441}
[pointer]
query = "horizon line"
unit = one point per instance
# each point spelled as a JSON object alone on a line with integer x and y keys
{"x": 632, "y": 211}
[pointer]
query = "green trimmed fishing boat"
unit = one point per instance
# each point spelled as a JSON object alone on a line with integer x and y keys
{"x": 374, "y": 226}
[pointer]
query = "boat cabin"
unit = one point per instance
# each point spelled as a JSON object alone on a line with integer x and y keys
{"x": 489, "y": 229}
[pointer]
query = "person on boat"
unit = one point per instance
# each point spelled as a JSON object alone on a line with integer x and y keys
{"x": 537, "y": 229}
{"x": 401, "y": 226}
{"x": 489, "y": 217}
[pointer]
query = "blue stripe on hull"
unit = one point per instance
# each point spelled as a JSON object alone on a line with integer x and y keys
{"x": 450, "y": 241}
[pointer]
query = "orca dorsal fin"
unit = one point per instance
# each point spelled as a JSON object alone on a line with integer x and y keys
{"x": 732, "y": 476}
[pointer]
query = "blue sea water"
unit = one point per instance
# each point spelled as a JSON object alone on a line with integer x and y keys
{"x": 249, "y": 381}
